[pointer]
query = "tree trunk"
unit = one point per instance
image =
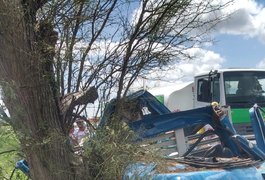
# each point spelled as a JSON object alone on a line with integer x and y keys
{"x": 29, "y": 97}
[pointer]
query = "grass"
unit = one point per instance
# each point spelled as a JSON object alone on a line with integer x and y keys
{"x": 9, "y": 154}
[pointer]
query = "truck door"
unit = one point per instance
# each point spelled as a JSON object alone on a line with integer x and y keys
{"x": 207, "y": 90}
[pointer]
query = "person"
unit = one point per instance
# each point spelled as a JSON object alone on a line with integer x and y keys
{"x": 249, "y": 86}
{"x": 78, "y": 133}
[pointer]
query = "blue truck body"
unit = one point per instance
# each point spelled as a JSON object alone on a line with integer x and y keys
{"x": 160, "y": 120}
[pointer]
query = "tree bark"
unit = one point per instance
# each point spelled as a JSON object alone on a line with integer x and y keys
{"x": 29, "y": 97}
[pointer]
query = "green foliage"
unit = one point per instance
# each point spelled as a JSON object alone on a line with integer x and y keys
{"x": 9, "y": 154}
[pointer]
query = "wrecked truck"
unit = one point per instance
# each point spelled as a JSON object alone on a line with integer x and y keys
{"x": 231, "y": 156}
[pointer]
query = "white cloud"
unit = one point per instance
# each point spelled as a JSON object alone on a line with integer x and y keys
{"x": 184, "y": 71}
{"x": 247, "y": 19}
{"x": 261, "y": 64}
{"x": 204, "y": 60}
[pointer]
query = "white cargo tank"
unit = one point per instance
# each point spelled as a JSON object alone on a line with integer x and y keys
{"x": 177, "y": 97}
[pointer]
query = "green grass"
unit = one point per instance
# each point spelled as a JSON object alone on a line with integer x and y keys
{"x": 9, "y": 154}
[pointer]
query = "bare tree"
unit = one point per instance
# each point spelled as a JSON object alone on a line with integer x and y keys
{"x": 55, "y": 55}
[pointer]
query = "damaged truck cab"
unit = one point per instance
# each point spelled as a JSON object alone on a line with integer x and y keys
{"x": 237, "y": 88}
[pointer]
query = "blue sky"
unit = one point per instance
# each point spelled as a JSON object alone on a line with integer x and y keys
{"x": 239, "y": 51}
{"x": 243, "y": 45}
{"x": 239, "y": 43}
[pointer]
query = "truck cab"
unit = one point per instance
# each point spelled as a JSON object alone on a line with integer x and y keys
{"x": 237, "y": 88}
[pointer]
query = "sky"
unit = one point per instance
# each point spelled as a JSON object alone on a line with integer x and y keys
{"x": 239, "y": 42}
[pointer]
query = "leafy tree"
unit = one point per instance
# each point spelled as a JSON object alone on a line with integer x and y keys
{"x": 57, "y": 55}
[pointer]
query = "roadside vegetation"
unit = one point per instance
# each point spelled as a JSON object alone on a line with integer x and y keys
{"x": 9, "y": 154}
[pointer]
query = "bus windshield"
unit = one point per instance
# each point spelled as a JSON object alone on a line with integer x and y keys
{"x": 244, "y": 88}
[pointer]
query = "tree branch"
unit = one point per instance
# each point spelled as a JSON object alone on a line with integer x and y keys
{"x": 9, "y": 151}
{"x": 69, "y": 101}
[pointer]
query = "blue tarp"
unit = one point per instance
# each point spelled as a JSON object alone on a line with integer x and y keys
{"x": 139, "y": 171}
